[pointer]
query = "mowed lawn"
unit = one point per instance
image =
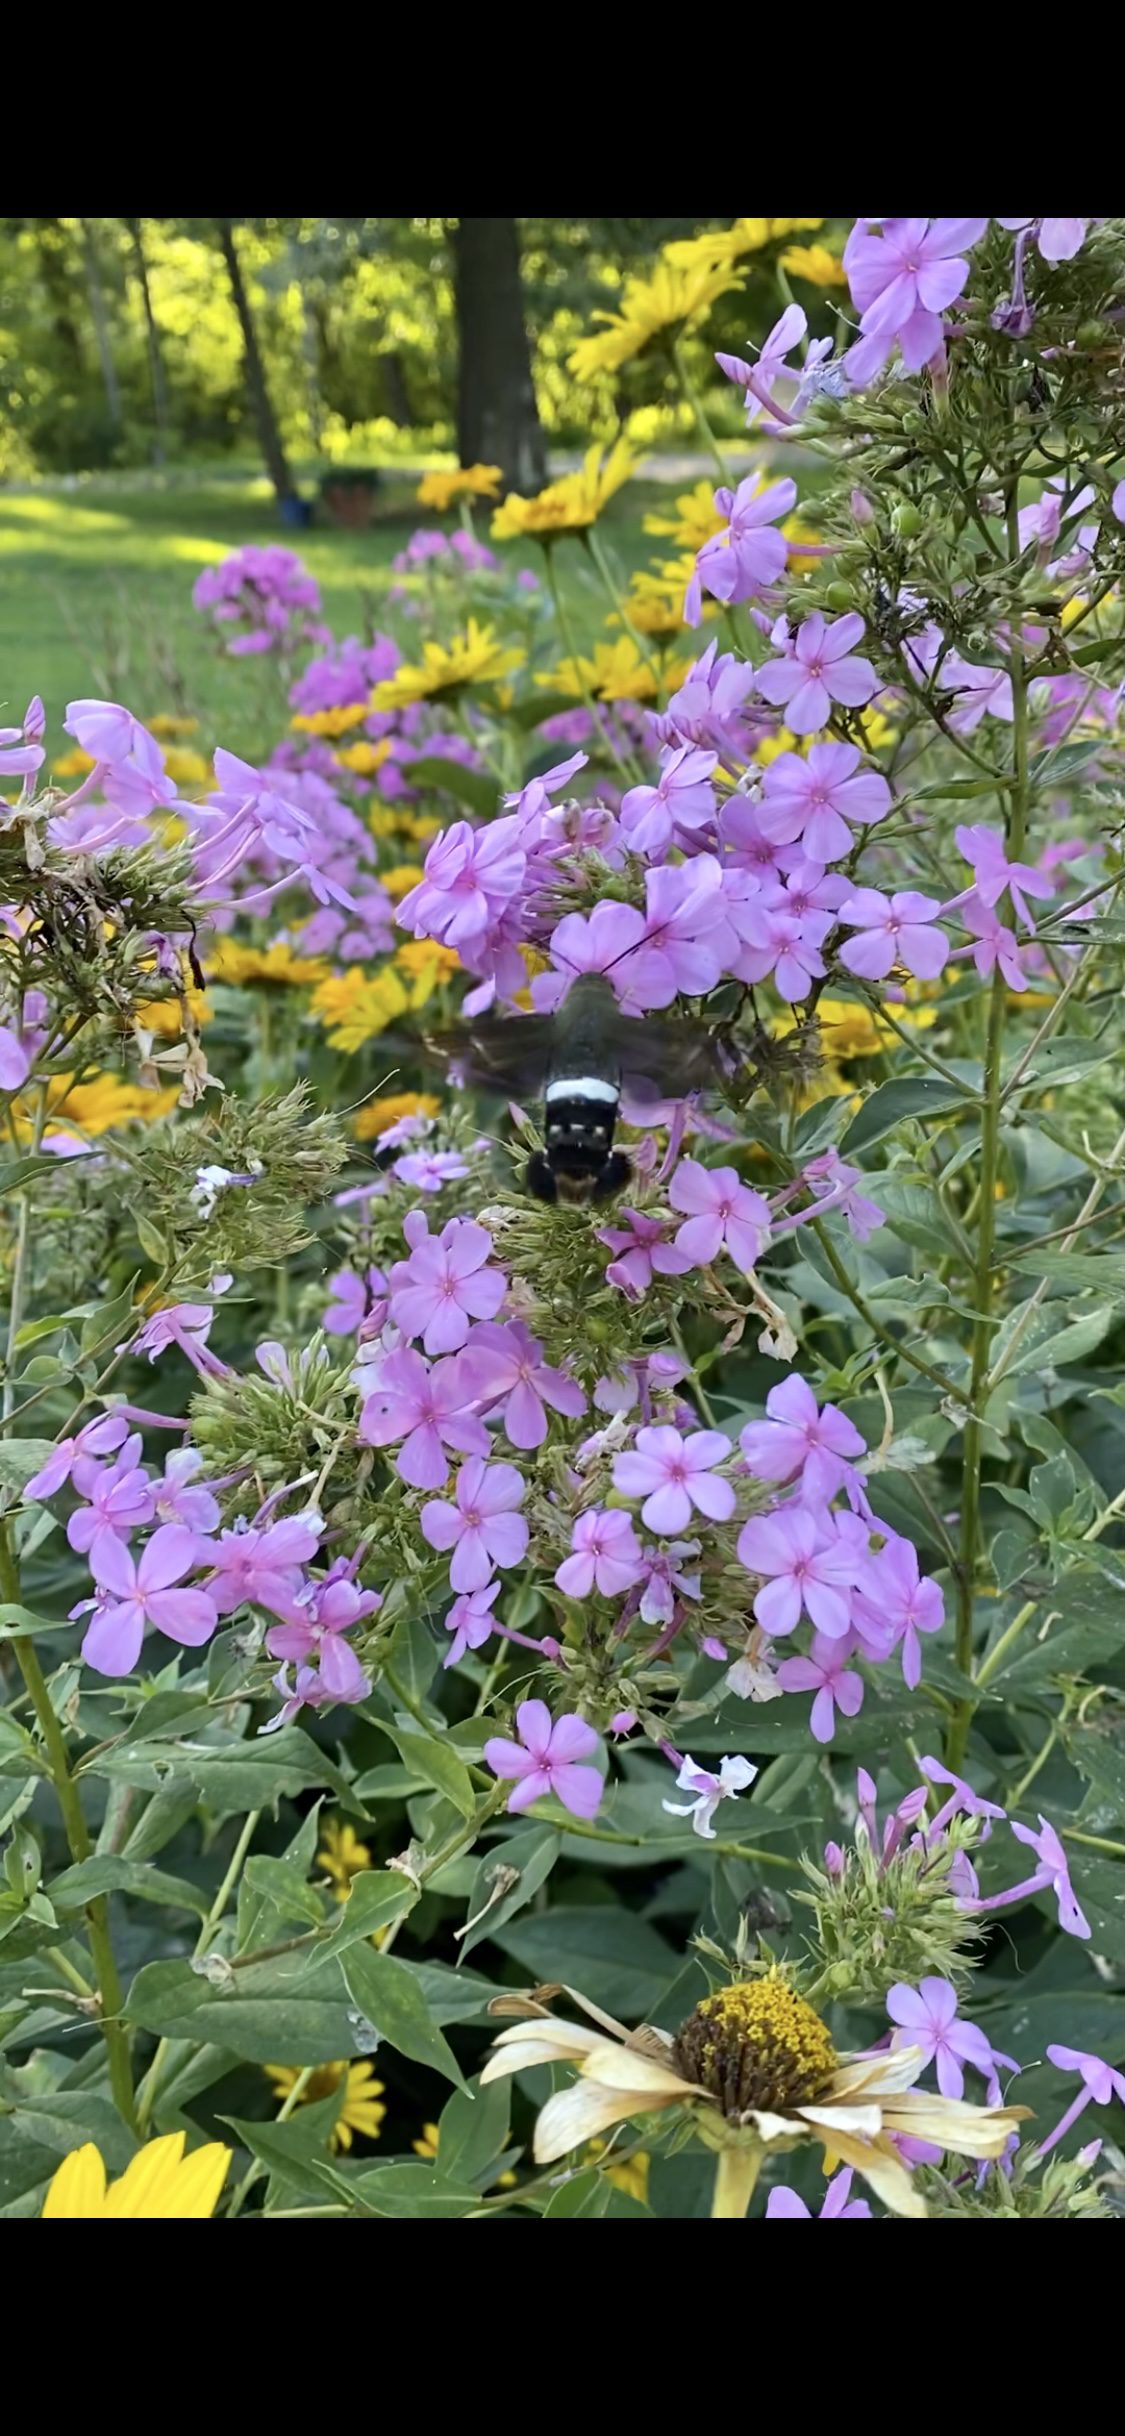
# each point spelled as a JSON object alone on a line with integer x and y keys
{"x": 96, "y": 579}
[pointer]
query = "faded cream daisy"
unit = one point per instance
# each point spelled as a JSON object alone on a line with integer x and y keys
{"x": 755, "y": 2068}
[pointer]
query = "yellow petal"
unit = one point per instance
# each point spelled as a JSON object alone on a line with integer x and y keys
{"x": 886, "y": 2173}
{"x": 78, "y": 2188}
{"x": 141, "y": 2189}
{"x": 875, "y": 2075}
{"x": 866, "y": 2122}
{"x": 200, "y": 2179}
{"x": 971, "y": 2131}
{"x": 579, "y": 2114}
{"x": 619, "y": 2068}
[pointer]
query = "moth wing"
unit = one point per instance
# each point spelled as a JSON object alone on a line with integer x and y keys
{"x": 506, "y": 1055}
{"x": 666, "y": 1061}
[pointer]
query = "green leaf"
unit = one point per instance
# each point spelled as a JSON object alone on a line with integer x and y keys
{"x": 452, "y": 1996}
{"x": 613, "y": 1956}
{"x": 536, "y": 707}
{"x": 586, "y": 2194}
{"x": 259, "y": 1923}
{"x": 109, "y": 1874}
{"x": 412, "y": 2188}
{"x": 104, "y": 1319}
{"x": 29, "y": 1170}
{"x": 285, "y": 1888}
{"x": 61, "y": 2119}
{"x": 920, "y": 1096}
{"x": 19, "y": 1623}
{"x": 532, "y": 1854}
{"x": 473, "y": 2131}
{"x": 293, "y": 2151}
{"x": 471, "y": 787}
{"x": 20, "y": 1458}
{"x": 377, "y": 1897}
{"x": 1067, "y": 1059}
{"x": 389, "y": 1998}
{"x": 267, "y": 2013}
{"x": 1100, "y": 1888}
{"x": 151, "y": 1240}
{"x": 228, "y": 1776}
{"x": 1084, "y": 1616}
{"x": 435, "y": 1762}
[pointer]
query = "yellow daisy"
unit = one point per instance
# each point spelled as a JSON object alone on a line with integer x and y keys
{"x": 229, "y": 960}
{"x": 334, "y": 722}
{"x": 477, "y": 657}
{"x": 570, "y": 505}
{"x": 105, "y": 1101}
{"x": 74, "y": 764}
{"x": 395, "y": 820}
{"x": 185, "y": 768}
{"x": 360, "y": 2111}
{"x": 158, "y": 2181}
{"x": 677, "y": 295}
{"x": 401, "y": 878}
{"x": 377, "y": 1115}
{"x": 468, "y": 482}
{"x": 816, "y": 264}
{"x": 358, "y": 1006}
{"x": 616, "y": 673}
{"x": 729, "y": 244}
{"x": 697, "y": 519}
{"x": 427, "y": 2145}
{"x": 427, "y": 965}
{"x": 364, "y": 757}
{"x": 169, "y": 723}
{"x": 342, "y": 1855}
{"x": 629, "y": 2174}
{"x": 753, "y": 2068}
{"x": 654, "y": 602}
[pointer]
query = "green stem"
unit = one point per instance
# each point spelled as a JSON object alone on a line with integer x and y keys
{"x": 146, "y": 2094}
{"x": 111, "y": 1998}
{"x": 1017, "y": 791}
{"x": 730, "y": 1852}
{"x": 601, "y": 562}
{"x": 695, "y": 402}
{"x": 21, "y": 1261}
{"x": 736, "y": 2173}
{"x": 292, "y": 2099}
{"x": 565, "y": 629}
{"x": 893, "y": 1344}
{"x": 991, "y": 1664}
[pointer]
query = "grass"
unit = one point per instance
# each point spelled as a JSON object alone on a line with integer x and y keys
{"x": 95, "y": 590}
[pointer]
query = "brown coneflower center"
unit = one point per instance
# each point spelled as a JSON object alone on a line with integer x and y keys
{"x": 755, "y": 2045}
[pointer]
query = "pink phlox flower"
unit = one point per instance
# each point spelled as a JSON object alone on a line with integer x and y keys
{"x": 21, "y": 748}
{"x": 757, "y": 379}
{"x": 926, "y": 2017}
{"x": 818, "y": 668}
{"x": 722, "y": 1214}
{"x": 665, "y": 1580}
{"x": 996, "y": 945}
{"x": 896, "y": 1603}
{"x": 480, "y": 1526}
{"x": 263, "y": 1566}
{"x": 20, "y": 1044}
{"x": 601, "y": 942}
{"x": 351, "y": 1301}
{"x": 800, "y": 1442}
{"x": 709, "y": 708}
{"x": 993, "y": 873}
{"x": 807, "y": 1566}
{"x": 545, "y": 1758}
{"x": 837, "y": 2202}
{"x": 682, "y": 801}
{"x": 979, "y": 688}
{"x": 1100, "y": 2085}
{"x": 471, "y": 1622}
{"x": 829, "y": 1178}
{"x": 533, "y": 801}
{"x": 1053, "y": 1874}
{"x": 129, "y": 763}
{"x": 508, "y": 1364}
{"x": 445, "y": 1284}
{"x": 1057, "y": 240}
{"x": 119, "y": 1496}
{"x": 816, "y": 796}
{"x": 101, "y": 1436}
{"x": 905, "y": 1816}
{"x": 824, "y": 1672}
{"x": 182, "y": 1497}
{"x": 749, "y": 852}
{"x": 327, "y": 1610}
{"x": 429, "y": 1408}
{"x": 641, "y": 1251}
{"x": 607, "y": 1556}
{"x": 779, "y": 942}
{"x": 471, "y": 876}
{"x": 688, "y": 939}
{"x": 962, "y": 1800}
{"x": 898, "y": 930}
{"x": 738, "y": 564}
{"x": 144, "y": 1590}
{"x": 901, "y": 282}
{"x": 673, "y": 1475}
{"x": 708, "y": 1787}
{"x": 429, "y": 1171}
{"x": 187, "y": 1326}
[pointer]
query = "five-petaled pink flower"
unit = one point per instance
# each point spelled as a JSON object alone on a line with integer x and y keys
{"x": 926, "y": 2017}
{"x": 683, "y": 798}
{"x": 673, "y": 1474}
{"x": 641, "y": 1250}
{"x": 818, "y": 669}
{"x": 723, "y": 1214}
{"x": 262, "y": 1566}
{"x": 1053, "y": 1873}
{"x": 508, "y": 1365}
{"x": 799, "y": 1441}
{"x": 837, "y": 2202}
{"x": 896, "y": 1602}
{"x": 429, "y": 1409}
{"x": 471, "y": 1622}
{"x": 607, "y": 1556}
{"x": 140, "y": 1590}
{"x": 814, "y": 797}
{"x": 749, "y": 555}
{"x": 120, "y": 1497}
{"x": 326, "y": 1613}
{"x": 544, "y": 1760}
{"x": 825, "y": 1673}
{"x": 901, "y": 281}
{"x": 101, "y": 1436}
{"x": 481, "y": 1525}
{"x": 808, "y": 1564}
{"x": 893, "y": 930}
{"x": 1100, "y": 2083}
{"x": 445, "y": 1284}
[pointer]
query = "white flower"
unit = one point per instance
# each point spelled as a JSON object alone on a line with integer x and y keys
{"x": 733, "y": 1777}
{"x": 209, "y": 1183}
{"x": 752, "y": 1676}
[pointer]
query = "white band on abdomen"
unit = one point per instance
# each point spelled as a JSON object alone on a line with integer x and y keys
{"x": 584, "y": 1087}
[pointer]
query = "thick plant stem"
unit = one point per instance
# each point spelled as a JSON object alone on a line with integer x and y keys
{"x": 736, "y": 2173}
{"x": 600, "y": 728}
{"x": 110, "y": 1992}
{"x": 1017, "y": 793}
{"x": 18, "y": 1293}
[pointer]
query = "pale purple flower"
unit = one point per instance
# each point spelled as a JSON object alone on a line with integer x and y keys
{"x": 119, "y": 1497}
{"x": 798, "y": 1441}
{"x": 750, "y": 555}
{"x": 641, "y": 1250}
{"x": 509, "y": 1365}
{"x": 926, "y": 2017}
{"x": 534, "y": 799}
{"x": 544, "y": 1760}
{"x": 757, "y": 379}
{"x": 144, "y": 1590}
{"x": 480, "y": 1526}
{"x": 1117, "y": 502}
{"x": 896, "y": 1603}
{"x": 837, "y": 2202}
{"x": 708, "y": 708}
{"x": 187, "y": 1325}
{"x": 809, "y": 1567}
{"x": 778, "y": 942}
{"x": 825, "y": 1673}
{"x": 471, "y": 1622}
{"x": 102, "y": 1436}
{"x": 181, "y": 1497}
{"x": 445, "y": 1284}
{"x": 471, "y": 876}
{"x": 349, "y": 1307}
{"x": 262, "y": 1565}
{"x": 894, "y": 930}
{"x": 429, "y": 1409}
{"x": 607, "y": 1556}
{"x": 673, "y": 1474}
{"x": 21, "y": 748}
{"x": 722, "y": 1214}
{"x": 818, "y": 668}
{"x": 599, "y": 943}
{"x": 814, "y": 797}
{"x": 993, "y": 873}
{"x": 20, "y": 1044}
{"x": 688, "y": 939}
{"x": 121, "y": 747}
{"x": 963, "y": 1798}
{"x": 996, "y": 945}
{"x": 979, "y": 689}
{"x": 1057, "y": 240}
{"x": 901, "y": 281}
{"x": 1053, "y": 1872}
{"x": 1100, "y": 2084}
{"x": 683, "y": 799}
{"x": 708, "y": 1787}
{"x": 429, "y": 1171}
{"x": 665, "y": 1580}
{"x": 327, "y": 1610}
{"x": 829, "y": 1178}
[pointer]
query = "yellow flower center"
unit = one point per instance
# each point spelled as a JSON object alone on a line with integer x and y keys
{"x": 756, "y": 2045}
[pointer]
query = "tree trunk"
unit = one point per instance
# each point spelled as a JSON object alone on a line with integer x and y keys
{"x": 269, "y": 434}
{"x": 100, "y": 320}
{"x": 395, "y": 391}
{"x": 52, "y": 248}
{"x": 155, "y": 353}
{"x": 497, "y": 418}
